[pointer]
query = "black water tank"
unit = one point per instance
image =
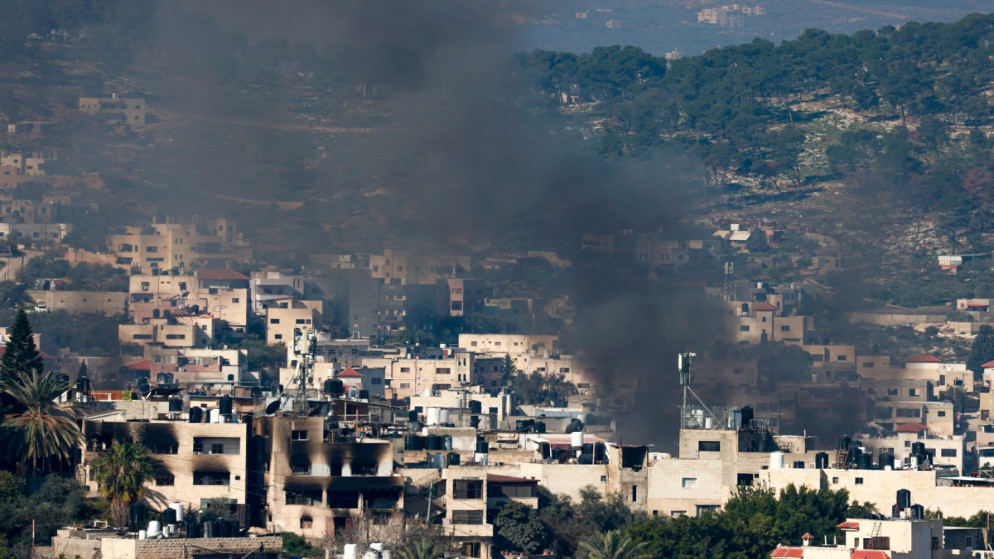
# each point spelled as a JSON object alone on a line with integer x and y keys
{"x": 600, "y": 453}
{"x": 903, "y": 498}
{"x": 866, "y": 461}
{"x": 433, "y": 442}
{"x": 175, "y": 404}
{"x": 482, "y": 447}
{"x": 475, "y": 406}
{"x": 747, "y": 416}
{"x": 192, "y": 530}
{"x": 586, "y": 459}
{"x": 223, "y": 528}
{"x": 918, "y": 449}
{"x": 63, "y": 379}
{"x": 169, "y": 516}
{"x": 523, "y": 425}
{"x": 474, "y": 421}
{"x": 337, "y": 387}
{"x": 137, "y": 513}
{"x": 196, "y": 414}
{"x": 844, "y": 442}
{"x": 412, "y": 442}
{"x": 885, "y": 460}
{"x": 235, "y": 529}
{"x": 917, "y": 512}
{"x": 821, "y": 460}
{"x": 143, "y": 386}
{"x": 225, "y": 405}
{"x": 453, "y": 458}
{"x": 414, "y": 425}
{"x": 328, "y": 384}
{"x": 539, "y": 428}
{"x": 587, "y": 448}
{"x": 412, "y": 416}
{"x": 574, "y": 426}
{"x": 364, "y": 394}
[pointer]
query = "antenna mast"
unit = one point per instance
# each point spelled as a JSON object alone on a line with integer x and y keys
{"x": 304, "y": 348}
{"x": 691, "y": 415}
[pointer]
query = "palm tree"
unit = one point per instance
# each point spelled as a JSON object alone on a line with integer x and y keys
{"x": 42, "y": 432}
{"x": 121, "y": 473}
{"x": 422, "y": 548}
{"x": 613, "y": 545}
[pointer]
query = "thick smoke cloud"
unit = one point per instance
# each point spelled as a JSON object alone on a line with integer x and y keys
{"x": 454, "y": 161}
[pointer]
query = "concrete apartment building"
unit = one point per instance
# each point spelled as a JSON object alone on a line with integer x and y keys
{"x": 170, "y": 246}
{"x": 194, "y": 461}
{"x": 408, "y": 268}
{"x": 322, "y": 484}
{"x": 432, "y": 372}
{"x": 45, "y": 233}
{"x": 878, "y": 539}
{"x": 760, "y": 322}
{"x": 123, "y": 111}
{"x": 282, "y": 320}
{"x": 272, "y": 288}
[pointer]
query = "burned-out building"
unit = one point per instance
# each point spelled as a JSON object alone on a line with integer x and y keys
{"x": 324, "y": 481}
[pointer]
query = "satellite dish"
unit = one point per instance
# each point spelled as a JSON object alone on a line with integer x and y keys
{"x": 353, "y": 392}
{"x": 272, "y": 407}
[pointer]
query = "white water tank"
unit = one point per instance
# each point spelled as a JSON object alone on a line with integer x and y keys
{"x": 376, "y": 546}
{"x": 443, "y": 416}
{"x": 351, "y": 551}
{"x": 178, "y": 507}
{"x": 433, "y": 416}
{"x": 154, "y": 529}
{"x": 576, "y": 439}
{"x": 457, "y": 402}
{"x": 914, "y": 462}
{"x": 481, "y": 458}
{"x": 776, "y": 460}
{"x": 142, "y": 535}
{"x": 708, "y": 423}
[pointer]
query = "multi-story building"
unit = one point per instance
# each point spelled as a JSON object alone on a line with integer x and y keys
{"x": 173, "y": 246}
{"x": 123, "y": 111}
{"x": 322, "y": 484}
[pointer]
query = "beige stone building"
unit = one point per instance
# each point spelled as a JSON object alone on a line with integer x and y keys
{"x": 169, "y": 246}
{"x": 282, "y": 320}
{"x": 321, "y": 484}
{"x": 120, "y": 111}
{"x": 194, "y": 461}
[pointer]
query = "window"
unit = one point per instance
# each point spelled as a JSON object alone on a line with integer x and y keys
{"x": 909, "y": 412}
{"x": 941, "y": 413}
{"x": 744, "y": 328}
{"x": 635, "y": 493}
{"x": 948, "y": 453}
{"x": 835, "y": 480}
{"x": 274, "y": 321}
{"x": 298, "y": 435}
{"x": 705, "y": 509}
{"x": 892, "y": 392}
{"x": 841, "y": 358}
{"x": 165, "y": 479}
{"x": 443, "y": 370}
{"x": 467, "y": 517}
{"x": 145, "y": 286}
{"x": 689, "y": 482}
{"x": 859, "y": 481}
{"x": 300, "y": 321}
{"x": 211, "y": 478}
{"x": 467, "y": 489}
{"x": 235, "y": 300}
{"x": 306, "y": 522}
{"x": 405, "y": 385}
{"x": 708, "y": 446}
{"x": 868, "y": 364}
{"x": 603, "y": 479}
{"x": 785, "y": 328}
{"x": 151, "y": 249}
{"x": 678, "y": 513}
{"x": 175, "y": 336}
{"x": 376, "y": 380}
{"x": 405, "y": 369}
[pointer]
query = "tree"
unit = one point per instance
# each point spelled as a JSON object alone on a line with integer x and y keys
{"x": 613, "y": 544}
{"x": 42, "y": 433}
{"x": 121, "y": 473}
{"x": 20, "y": 354}
{"x": 982, "y": 350}
{"x": 519, "y": 529}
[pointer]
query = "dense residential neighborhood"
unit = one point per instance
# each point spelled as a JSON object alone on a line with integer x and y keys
{"x": 378, "y": 282}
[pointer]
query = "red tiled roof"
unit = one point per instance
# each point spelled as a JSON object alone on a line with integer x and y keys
{"x": 807, "y": 536}
{"x": 868, "y": 554}
{"x": 219, "y": 274}
{"x": 349, "y": 373}
{"x": 988, "y": 364}
{"x": 763, "y": 307}
{"x": 788, "y": 552}
{"x": 143, "y": 365}
{"x": 923, "y": 358}
{"x": 911, "y": 428}
{"x": 977, "y": 305}
{"x": 847, "y": 525}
